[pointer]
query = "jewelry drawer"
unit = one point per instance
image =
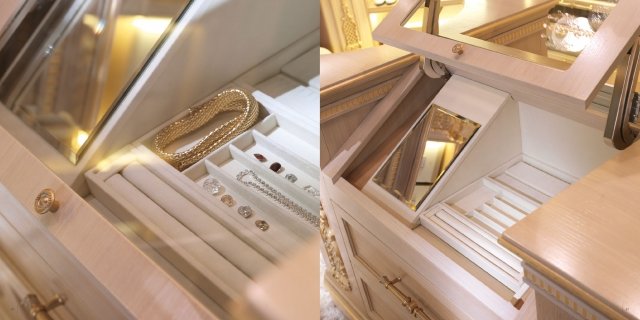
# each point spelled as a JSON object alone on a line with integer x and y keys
{"x": 224, "y": 238}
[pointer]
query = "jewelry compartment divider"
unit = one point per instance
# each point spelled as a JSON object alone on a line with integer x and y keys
{"x": 280, "y": 128}
{"x": 207, "y": 269}
{"x": 215, "y": 247}
{"x": 472, "y": 219}
{"x": 291, "y": 79}
{"x": 230, "y": 161}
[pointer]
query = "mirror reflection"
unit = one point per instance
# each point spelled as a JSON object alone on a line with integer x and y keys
{"x": 425, "y": 154}
{"x": 549, "y": 32}
{"x": 92, "y": 50}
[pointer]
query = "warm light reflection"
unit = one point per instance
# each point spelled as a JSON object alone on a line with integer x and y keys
{"x": 376, "y": 18}
{"x": 96, "y": 24}
{"x": 79, "y": 139}
{"x": 434, "y": 147}
{"x": 151, "y": 24}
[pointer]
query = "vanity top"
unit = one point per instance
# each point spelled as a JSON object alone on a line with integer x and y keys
{"x": 586, "y": 239}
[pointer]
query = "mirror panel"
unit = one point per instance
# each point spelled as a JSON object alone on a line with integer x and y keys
{"x": 92, "y": 51}
{"x": 424, "y": 155}
{"x": 549, "y": 32}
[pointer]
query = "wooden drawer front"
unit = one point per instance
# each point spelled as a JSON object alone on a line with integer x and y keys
{"x": 96, "y": 246}
{"x": 378, "y": 303}
{"x": 47, "y": 269}
{"x": 369, "y": 254}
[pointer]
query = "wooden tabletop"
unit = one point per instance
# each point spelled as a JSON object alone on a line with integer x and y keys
{"x": 587, "y": 239}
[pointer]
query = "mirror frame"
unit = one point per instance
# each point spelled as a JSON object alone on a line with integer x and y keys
{"x": 568, "y": 92}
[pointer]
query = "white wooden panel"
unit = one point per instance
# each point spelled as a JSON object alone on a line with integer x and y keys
{"x": 559, "y": 142}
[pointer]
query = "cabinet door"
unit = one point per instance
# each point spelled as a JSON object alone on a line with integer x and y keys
{"x": 83, "y": 248}
{"x": 529, "y": 77}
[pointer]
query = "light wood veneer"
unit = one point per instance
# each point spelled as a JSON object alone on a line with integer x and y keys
{"x": 586, "y": 239}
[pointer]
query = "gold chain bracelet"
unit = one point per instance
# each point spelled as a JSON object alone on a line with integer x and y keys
{"x": 231, "y": 100}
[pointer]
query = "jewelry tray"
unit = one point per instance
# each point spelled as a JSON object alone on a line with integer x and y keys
{"x": 212, "y": 245}
{"x": 471, "y": 220}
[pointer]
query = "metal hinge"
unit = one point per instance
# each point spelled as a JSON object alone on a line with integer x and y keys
{"x": 34, "y": 308}
{"x": 431, "y": 68}
{"x": 624, "y": 101}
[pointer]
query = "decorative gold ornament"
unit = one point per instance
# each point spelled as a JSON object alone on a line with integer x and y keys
{"x": 350, "y": 28}
{"x": 337, "y": 269}
{"x": 231, "y": 100}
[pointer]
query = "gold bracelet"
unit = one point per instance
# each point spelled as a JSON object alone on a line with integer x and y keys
{"x": 231, "y": 100}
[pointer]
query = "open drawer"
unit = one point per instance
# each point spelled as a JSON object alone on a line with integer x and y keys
{"x": 221, "y": 239}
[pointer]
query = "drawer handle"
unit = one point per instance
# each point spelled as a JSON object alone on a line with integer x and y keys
{"x": 406, "y": 301}
{"x": 46, "y": 202}
{"x": 32, "y": 306}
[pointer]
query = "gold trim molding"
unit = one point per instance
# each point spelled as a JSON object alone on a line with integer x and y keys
{"x": 520, "y": 32}
{"x": 349, "y": 104}
{"x": 540, "y": 283}
{"x": 568, "y": 286}
{"x": 336, "y": 268}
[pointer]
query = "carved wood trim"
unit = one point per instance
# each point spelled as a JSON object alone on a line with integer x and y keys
{"x": 349, "y": 104}
{"x": 336, "y": 268}
{"x": 349, "y": 27}
{"x": 560, "y": 296}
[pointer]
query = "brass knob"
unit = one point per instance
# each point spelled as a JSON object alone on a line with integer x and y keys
{"x": 46, "y": 202}
{"x": 458, "y": 49}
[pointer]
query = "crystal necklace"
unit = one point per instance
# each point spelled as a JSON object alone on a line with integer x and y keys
{"x": 277, "y": 196}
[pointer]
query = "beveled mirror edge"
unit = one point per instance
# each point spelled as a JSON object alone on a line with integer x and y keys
{"x": 433, "y": 107}
{"x": 128, "y": 85}
{"x": 66, "y": 151}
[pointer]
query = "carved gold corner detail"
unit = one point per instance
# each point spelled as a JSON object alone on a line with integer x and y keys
{"x": 349, "y": 27}
{"x": 336, "y": 268}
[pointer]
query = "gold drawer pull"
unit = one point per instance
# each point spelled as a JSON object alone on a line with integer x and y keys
{"x": 46, "y": 202}
{"x": 406, "y": 301}
{"x": 419, "y": 313}
{"x": 33, "y": 307}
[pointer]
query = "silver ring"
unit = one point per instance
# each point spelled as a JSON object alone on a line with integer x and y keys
{"x": 245, "y": 211}
{"x": 291, "y": 177}
{"x": 213, "y": 186}
{"x": 313, "y": 191}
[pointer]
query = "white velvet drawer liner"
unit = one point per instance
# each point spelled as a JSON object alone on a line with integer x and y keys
{"x": 198, "y": 222}
{"x": 205, "y": 267}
